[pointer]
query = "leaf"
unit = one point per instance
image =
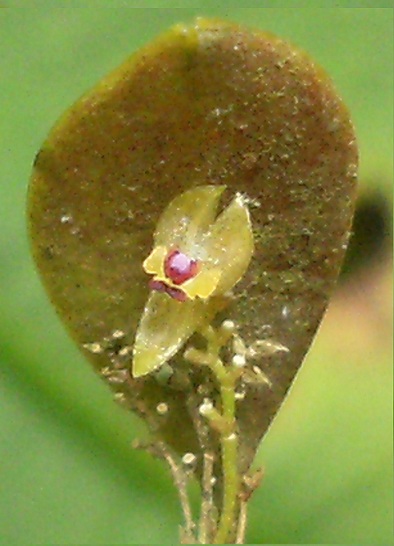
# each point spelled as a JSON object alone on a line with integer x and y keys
{"x": 209, "y": 103}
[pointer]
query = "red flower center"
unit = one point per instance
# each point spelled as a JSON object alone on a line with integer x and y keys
{"x": 179, "y": 268}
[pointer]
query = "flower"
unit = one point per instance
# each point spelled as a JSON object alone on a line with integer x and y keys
{"x": 196, "y": 258}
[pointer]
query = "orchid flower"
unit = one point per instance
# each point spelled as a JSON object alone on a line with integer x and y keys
{"x": 195, "y": 258}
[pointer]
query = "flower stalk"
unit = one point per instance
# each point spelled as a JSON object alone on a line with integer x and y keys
{"x": 226, "y": 377}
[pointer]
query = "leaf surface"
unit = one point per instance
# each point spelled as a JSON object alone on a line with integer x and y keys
{"x": 209, "y": 103}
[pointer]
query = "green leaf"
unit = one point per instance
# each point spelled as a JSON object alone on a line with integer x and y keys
{"x": 215, "y": 103}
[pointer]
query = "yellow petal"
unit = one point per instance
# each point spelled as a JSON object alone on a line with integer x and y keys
{"x": 154, "y": 263}
{"x": 165, "y": 326}
{"x": 188, "y": 216}
{"x": 203, "y": 284}
{"x": 230, "y": 244}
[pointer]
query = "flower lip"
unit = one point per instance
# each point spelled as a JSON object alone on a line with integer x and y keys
{"x": 175, "y": 293}
{"x": 179, "y": 268}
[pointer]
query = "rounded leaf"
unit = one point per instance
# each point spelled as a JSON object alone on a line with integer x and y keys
{"x": 207, "y": 103}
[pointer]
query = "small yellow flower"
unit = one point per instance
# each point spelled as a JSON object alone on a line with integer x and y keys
{"x": 195, "y": 257}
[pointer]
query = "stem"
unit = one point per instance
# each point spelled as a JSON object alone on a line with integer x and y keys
{"x": 181, "y": 485}
{"x": 227, "y": 378}
{"x": 241, "y": 530}
{"x": 205, "y": 528}
{"x": 229, "y": 527}
{"x": 229, "y": 446}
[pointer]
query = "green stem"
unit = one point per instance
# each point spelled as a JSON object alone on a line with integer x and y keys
{"x": 227, "y": 378}
{"x": 229, "y": 446}
{"x": 225, "y": 423}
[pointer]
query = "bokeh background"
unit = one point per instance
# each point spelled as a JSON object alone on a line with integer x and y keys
{"x": 67, "y": 472}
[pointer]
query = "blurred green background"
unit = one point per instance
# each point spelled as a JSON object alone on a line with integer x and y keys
{"x": 67, "y": 472}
